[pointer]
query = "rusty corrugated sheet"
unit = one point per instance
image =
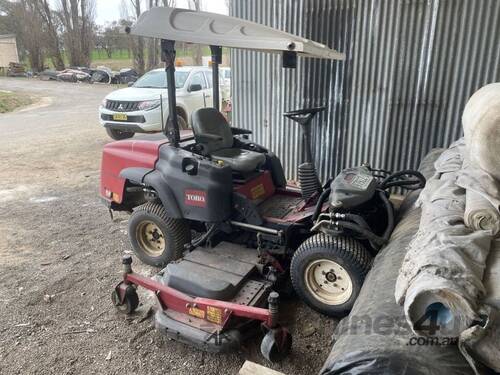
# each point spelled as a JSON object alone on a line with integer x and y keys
{"x": 411, "y": 65}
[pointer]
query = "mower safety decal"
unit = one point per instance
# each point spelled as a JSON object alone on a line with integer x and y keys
{"x": 214, "y": 314}
{"x": 258, "y": 191}
{"x": 197, "y": 198}
{"x": 196, "y": 312}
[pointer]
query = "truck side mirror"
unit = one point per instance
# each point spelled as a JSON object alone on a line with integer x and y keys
{"x": 130, "y": 84}
{"x": 194, "y": 87}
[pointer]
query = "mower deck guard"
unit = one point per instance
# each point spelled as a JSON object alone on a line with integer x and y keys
{"x": 218, "y": 342}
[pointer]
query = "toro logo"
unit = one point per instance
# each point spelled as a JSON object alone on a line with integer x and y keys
{"x": 195, "y": 198}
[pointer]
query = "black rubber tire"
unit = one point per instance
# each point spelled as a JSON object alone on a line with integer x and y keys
{"x": 271, "y": 350}
{"x": 177, "y": 233}
{"x": 347, "y": 252}
{"x": 183, "y": 125}
{"x": 130, "y": 303}
{"x": 118, "y": 135}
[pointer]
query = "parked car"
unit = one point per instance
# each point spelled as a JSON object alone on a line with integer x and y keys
{"x": 137, "y": 109}
{"x": 225, "y": 83}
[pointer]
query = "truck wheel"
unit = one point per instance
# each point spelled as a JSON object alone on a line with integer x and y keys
{"x": 183, "y": 125}
{"x": 118, "y": 135}
{"x": 156, "y": 238}
{"x": 328, "y": 272}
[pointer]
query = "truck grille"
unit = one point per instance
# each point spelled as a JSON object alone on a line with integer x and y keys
{"x": 121, "y": 106}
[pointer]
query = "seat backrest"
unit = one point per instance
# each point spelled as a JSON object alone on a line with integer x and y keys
{"x": 210, "y": 121}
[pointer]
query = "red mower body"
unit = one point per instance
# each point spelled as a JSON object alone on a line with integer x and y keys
{"x": 117, "y": 156}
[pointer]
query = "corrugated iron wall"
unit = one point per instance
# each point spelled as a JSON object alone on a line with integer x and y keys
{"x": 411, "y": 66}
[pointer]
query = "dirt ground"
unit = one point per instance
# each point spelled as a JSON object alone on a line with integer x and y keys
{"x": 60, "y": 257}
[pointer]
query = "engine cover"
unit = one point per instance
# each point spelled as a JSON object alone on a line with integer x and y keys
{"x": 352, "y": 187}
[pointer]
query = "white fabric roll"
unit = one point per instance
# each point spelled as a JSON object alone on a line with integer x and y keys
{"x": 481, "y": 122}
{"x": 480, "y": 214}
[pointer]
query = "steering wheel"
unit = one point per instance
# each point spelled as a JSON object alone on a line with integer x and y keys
{"x": 303, "y": 116}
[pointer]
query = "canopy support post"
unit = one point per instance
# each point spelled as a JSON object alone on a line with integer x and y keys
{"x": 168, "y": 56}
{"x": 216, "y": 60}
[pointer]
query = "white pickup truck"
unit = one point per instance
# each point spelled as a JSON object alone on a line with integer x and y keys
{"x": 137, "y": 109}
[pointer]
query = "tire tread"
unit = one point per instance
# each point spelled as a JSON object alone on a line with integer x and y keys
{"x": 179, "y": 229}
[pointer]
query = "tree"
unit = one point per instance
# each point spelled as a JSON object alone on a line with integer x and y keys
{"x": 50, "y": 28}
{"x": 197, "y": 51}
{"x": 30, "y": 29}
{"x": 110, "y": 38}
{"x": 138, "y": 45}
{"x": 153, "y": 59}
{"x": 77, "y": 18}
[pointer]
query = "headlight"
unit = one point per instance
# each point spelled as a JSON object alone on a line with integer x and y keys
{"x": 148, "y": 104}
{"x": 104, "y": 102}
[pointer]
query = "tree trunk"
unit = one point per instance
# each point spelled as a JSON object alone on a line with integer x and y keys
{"x": 85, "y": 34}
{"x": 153, "y": 59}
{"x": 197, "y": 51}
{"x": 138, "y": 49}
{"x": 53, "y": 42}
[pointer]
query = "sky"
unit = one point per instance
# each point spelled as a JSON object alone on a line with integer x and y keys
{"x": 109, "y": 10}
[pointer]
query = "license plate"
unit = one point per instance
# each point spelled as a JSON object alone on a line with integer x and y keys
{"x": 119, "y": 117}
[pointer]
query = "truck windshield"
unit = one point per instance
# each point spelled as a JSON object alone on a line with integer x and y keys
{"x": 157, "y": 79}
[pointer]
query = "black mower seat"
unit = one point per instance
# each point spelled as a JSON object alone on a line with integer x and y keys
{"x": 204, "y": 274}
{"x": 214, "y": 134}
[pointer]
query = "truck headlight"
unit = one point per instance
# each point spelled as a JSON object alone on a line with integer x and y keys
{"x": 104, "y": 102}
{"x": 148, "y": 105}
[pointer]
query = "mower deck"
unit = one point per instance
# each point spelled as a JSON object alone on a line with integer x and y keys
{"x": 220, "y": 273}
{"x": 227, "y": 272}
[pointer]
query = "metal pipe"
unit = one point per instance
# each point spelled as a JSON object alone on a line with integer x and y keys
{"x": 216, "y": 60}
{"x": 255, "y": 228}
{"x": 168, "y": 56}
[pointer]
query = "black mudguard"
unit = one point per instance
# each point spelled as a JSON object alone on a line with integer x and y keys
{"x": 167, "y": 197}
{"x": 135, "y": 174}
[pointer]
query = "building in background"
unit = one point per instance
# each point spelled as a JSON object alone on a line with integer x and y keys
{"x": 410, "y": 67}
{"x": 8, "y": 50}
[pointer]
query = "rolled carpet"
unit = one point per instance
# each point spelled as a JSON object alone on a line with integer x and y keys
{"x": 481, "y": 122}
{"x": 480, "y": 214}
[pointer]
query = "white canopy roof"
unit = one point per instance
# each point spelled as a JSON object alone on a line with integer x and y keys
{"x": 216, "y": 29}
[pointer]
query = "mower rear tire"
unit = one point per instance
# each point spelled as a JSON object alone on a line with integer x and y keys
{"x": 118, "y": 135}
{"x": 327, "y": 273}
{"x": 130, "y": 302}
{"x": 156, "y": 238}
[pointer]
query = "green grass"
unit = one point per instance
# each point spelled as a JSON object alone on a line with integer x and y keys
{"x": 119, "y": 58}
{"x": 10, "y": 101}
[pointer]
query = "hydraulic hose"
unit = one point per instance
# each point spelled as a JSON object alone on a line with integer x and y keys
{"x": 320, "y": 202}
{"x": 409, "y": 184}
{"x": 363, "y": 231}
{"x": 198, "y": 241}
{"x": 390, "y": 215}
{"x": 358, "y": 220}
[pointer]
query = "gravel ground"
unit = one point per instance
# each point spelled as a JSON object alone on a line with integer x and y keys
{"x": 60, "y": 257}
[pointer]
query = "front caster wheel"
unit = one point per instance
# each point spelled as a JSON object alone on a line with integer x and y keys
{"x": 276, "y": 344}
{"x": 130, "y": 302}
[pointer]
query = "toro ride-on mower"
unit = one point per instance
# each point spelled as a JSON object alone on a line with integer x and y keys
{"x": 214, "y": 209}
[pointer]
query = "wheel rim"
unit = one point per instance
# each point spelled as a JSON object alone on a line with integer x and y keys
{"x": 150, "y": 238}
{"x": 328, "y": 282}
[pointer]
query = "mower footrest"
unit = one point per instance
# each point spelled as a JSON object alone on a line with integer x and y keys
{"x": 210, "y": 274}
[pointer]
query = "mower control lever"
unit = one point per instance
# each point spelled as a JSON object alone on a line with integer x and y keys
{"x": 303, "y": 116}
